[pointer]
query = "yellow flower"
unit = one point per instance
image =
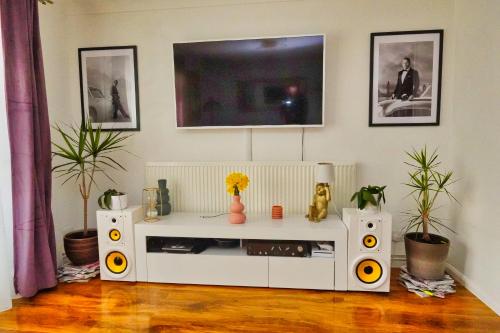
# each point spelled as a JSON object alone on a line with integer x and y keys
{"x": 236, "y": 182}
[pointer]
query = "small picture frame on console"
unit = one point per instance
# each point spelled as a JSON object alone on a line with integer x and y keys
{"x": 109, "y": 87}
{"x": 405, "y": 78}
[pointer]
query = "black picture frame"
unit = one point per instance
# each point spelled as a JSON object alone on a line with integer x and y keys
{"x": 133, "y": 108}
{"x": 386, "y": 112}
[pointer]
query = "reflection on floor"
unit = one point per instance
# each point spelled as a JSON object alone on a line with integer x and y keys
{"x": 141, "y": 307}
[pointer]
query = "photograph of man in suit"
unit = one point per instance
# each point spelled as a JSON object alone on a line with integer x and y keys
{"x": 408, "y": 82}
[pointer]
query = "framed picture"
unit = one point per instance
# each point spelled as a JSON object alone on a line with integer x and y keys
{"x": 109, "y": 87}
{"x": 405, "y": 78}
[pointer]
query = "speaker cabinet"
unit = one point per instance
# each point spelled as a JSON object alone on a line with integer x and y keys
{"x": 369, "y": 252}
{"x": 115, "y": 230}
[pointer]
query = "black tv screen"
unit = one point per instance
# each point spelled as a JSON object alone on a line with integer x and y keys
{"x": 250, "y": 82}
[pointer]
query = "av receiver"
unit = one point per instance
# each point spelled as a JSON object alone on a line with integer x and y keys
{"x": 280, "y": 248}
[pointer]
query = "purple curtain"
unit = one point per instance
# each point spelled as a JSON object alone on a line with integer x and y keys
{"x": 29, "y": 133}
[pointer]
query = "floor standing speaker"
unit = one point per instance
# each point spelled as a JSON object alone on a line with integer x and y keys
{"x": 115, "y": 230}
{"x": 369, "y": 249}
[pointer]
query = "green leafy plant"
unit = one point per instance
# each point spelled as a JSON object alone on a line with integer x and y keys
{"x": 367, "y": 195}
{"x": 104, "y": 200}
{"x": 85, "y": 152}
{"x": 427, "y": 183}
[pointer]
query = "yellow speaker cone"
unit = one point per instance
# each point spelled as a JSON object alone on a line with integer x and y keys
{"x": 370, "y": 241}
{"x": 369, "y": 271}
{"x": 116, "y": 262}
{"x": 115, "y": 234}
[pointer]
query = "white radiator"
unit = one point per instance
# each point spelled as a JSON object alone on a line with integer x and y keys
{"x": 200, "y": 186}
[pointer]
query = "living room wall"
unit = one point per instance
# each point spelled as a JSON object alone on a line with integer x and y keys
{"x": 475, "y": 148}
{"x": 154, "y": 25}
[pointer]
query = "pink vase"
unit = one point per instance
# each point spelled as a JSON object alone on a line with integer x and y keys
{"x": 236, "y": 215}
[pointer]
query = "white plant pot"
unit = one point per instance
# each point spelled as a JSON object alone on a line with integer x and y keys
{"x": 369, "y": 210}
{"x": 119, "y": 202}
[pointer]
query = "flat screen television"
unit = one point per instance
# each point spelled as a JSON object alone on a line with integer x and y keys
{"x": 259, "y": 82}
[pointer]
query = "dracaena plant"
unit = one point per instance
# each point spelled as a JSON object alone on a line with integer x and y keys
{"x": 84, "y": 152}
{"x": 427, "y": 184}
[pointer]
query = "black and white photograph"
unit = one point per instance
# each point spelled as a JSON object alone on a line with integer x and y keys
{"x": 109, "y": 87}
{"x": 405, "y": 78}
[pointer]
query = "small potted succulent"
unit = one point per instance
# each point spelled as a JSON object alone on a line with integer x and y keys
{"x": 426, "y": 253}
{"x": 369, "y": 198}
{"x": 112, "y": 199}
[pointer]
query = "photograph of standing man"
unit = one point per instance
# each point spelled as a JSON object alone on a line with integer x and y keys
{"x": 408, "y": 82}
{"x": 117, "y": 104}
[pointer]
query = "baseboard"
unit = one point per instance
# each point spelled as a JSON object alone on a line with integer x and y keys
{"x": 398, "y": 260}
{"x": 473, "y": 288}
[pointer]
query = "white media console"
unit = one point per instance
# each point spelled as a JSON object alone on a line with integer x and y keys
{"x": 232, "y": 266}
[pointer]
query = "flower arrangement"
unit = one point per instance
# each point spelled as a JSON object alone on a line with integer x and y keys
{"x": 236, "y": 182}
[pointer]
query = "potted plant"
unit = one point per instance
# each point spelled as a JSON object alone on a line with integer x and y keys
{"x": 366, "y": 197}
{"x": 85, "y": 152}
{"x": 112, "y": 199}
{"x": 426, "y": 253}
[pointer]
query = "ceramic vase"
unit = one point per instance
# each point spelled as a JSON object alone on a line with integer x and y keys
{"x": 163, "y": 200}
{"x": 236, "y": 215}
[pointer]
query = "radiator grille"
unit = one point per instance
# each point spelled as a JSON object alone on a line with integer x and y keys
{"x": 200, "y": 186}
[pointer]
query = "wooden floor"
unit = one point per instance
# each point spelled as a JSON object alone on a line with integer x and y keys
{"x": 141, "y": 307}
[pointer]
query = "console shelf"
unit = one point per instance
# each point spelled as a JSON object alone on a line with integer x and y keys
{"x": 217, "y": 251}
{"x": 295, "y": 227}
{"x": 232, "y": 266}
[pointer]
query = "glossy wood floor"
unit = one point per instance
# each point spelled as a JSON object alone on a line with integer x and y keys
{"x": 140, "y": 307}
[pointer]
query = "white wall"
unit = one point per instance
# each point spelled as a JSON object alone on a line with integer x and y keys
{"x": 476, "y": 148}
{"x": 154, "y": 25}
{"x": 67, "y": 206}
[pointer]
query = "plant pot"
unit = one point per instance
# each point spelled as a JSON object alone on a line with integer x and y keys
{"x": 368, "y": 210}
{"x": 119, "y": 202}
{"x": 426, "y": 260}
{"x": 81, "y": 250}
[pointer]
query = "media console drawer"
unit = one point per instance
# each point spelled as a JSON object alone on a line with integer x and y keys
{"x": 234, "y": 270}
{"x": 302, "y": 273}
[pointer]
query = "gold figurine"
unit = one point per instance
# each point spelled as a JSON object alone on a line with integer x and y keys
{"x": 319, "y": 208}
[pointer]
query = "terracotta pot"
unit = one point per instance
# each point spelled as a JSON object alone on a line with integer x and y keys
{"x": 426, "y": 260}
{"x": 237, "y": 216}
{"x": 80, "y": 250}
